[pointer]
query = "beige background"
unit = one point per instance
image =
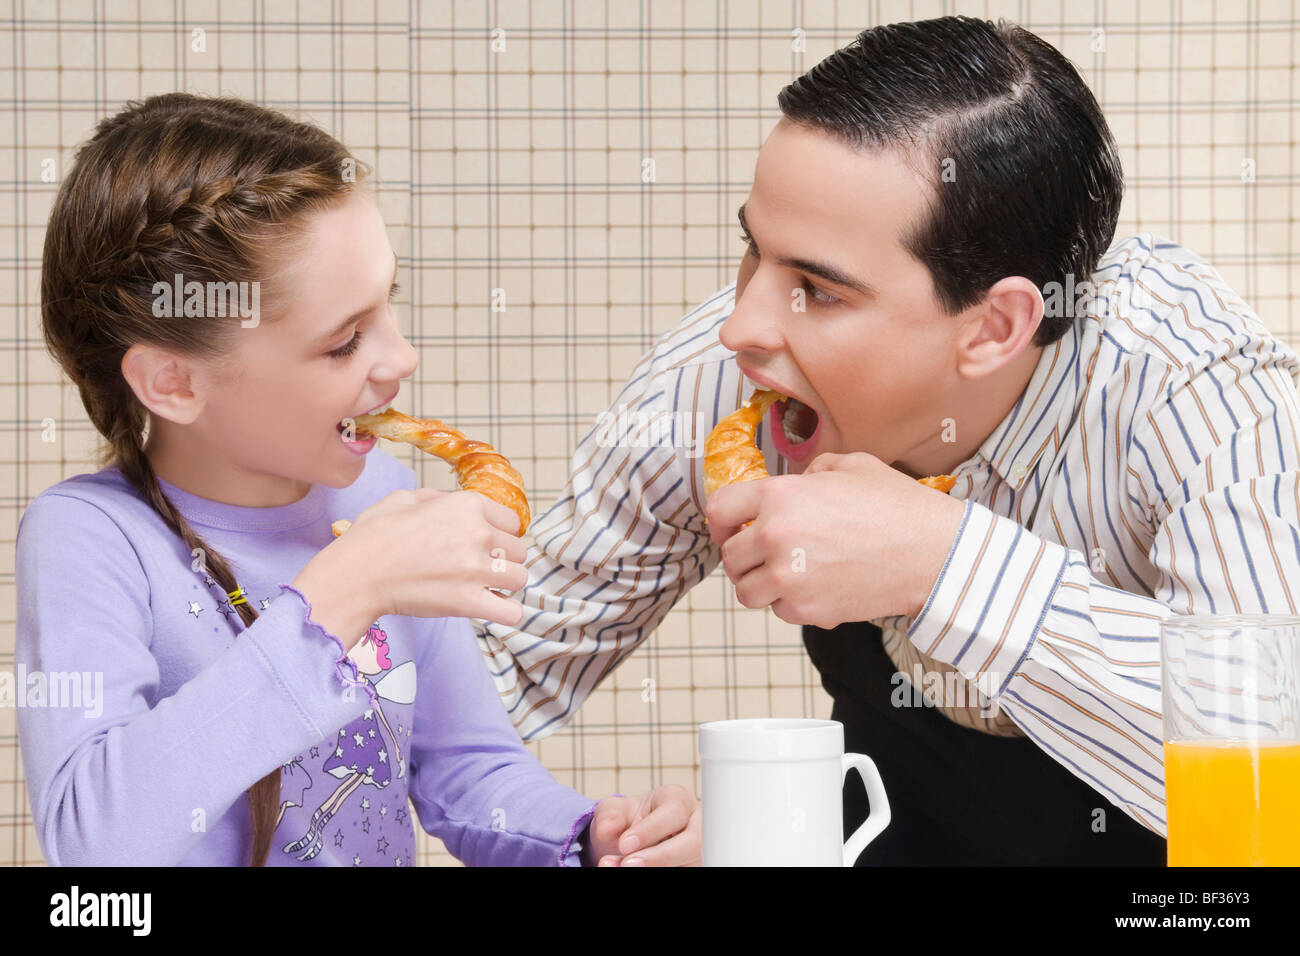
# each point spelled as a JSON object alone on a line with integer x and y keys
{"x": 520, "y": 169}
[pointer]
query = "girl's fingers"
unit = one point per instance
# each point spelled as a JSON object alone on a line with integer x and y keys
{"x": 607, "y": 826}
{"x": 680, "y": 850}
{"x": 671, "y": 816}
{"x": 499, "y": 515}
{"x": 485, "y": 605}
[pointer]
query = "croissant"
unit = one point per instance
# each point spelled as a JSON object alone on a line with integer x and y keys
{"x": 730, "y": 454}
{"x": 479, "y": 467}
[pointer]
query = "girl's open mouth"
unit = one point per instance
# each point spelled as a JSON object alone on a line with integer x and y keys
{"x": 795, "y": 427}
{"x": 358, "y": 444}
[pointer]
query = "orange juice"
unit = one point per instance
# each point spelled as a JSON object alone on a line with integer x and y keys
{"x": 1233, "y": 802}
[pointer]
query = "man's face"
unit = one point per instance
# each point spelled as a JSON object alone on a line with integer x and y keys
{"x": 872, "y": 350}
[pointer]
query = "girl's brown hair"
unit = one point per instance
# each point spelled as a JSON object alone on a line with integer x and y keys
{"x": 214, "y": 189}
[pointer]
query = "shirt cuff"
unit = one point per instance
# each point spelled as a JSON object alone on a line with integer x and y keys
{"x": 571, "y": 852}
{"x": 316, "y": 668}
{"x": 985, "y": 609}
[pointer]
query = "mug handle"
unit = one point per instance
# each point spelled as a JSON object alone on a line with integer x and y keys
{"x": 879, "y": 817}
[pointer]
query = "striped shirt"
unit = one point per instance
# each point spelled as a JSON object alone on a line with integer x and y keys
{"x": 1151, "y": 466}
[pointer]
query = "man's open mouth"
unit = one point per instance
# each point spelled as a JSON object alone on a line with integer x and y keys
{"x": 798, "y": 421}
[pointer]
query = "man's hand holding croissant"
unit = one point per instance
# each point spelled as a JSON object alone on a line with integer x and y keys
{"x": 849, "y": 539}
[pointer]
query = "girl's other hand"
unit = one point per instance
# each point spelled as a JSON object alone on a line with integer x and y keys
{"x": 659, "y": 828}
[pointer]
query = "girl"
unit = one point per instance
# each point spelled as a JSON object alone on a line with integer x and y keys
{"x": 217, "y": 284}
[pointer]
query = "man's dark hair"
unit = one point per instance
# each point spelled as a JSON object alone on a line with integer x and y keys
{"x": 1038, "y": 181}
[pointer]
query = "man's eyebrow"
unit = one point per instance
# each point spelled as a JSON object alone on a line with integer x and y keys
{"x": 823, "y": 270}
{"x": 356, "y": 316}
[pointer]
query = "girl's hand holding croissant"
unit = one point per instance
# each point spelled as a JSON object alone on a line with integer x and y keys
{"x": 429, "y": 553}
{"x": 659, "y": 828}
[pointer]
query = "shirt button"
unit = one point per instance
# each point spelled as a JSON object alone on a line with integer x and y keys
{"x": 1018, "y": 473}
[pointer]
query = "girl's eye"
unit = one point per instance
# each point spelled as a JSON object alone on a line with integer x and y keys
{"x": 345, "y": 350}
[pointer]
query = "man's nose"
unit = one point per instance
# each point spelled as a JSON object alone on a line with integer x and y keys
{"x": 754, "y": 324}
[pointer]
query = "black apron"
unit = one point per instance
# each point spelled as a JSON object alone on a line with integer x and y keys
{"x": 958, "y": 796}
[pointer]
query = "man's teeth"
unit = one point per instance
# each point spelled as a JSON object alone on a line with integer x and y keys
{"x": 793, "y": 421}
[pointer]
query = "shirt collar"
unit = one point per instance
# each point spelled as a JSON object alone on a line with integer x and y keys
{"x": 1040, "y": 416}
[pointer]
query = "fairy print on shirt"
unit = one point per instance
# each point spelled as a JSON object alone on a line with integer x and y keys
{"x": 366, "y": 751}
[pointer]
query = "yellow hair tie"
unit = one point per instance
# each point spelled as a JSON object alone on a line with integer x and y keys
{"x": 237, "y": 596}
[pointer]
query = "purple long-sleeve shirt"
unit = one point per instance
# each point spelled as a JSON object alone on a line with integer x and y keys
{"x": 147, "y": 709}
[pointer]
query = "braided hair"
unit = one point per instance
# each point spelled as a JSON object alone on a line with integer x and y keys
{"x": 211, "y": 188}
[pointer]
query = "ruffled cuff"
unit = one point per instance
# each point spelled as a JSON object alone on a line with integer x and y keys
{"x": 571, "y": 852}
{"x": 344, "y": 664}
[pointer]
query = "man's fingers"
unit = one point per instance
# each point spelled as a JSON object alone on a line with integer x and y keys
{"x": 741, "y": 554}
{"x": 731, "y": 506}
{"x": 757, "y": 589}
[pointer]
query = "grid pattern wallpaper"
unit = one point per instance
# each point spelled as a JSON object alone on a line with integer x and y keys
{"x": 508, "y": 138}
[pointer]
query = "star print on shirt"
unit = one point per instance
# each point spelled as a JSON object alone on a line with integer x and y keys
{"x": 356, "y": 861}
{"x": 365, "y": 824}
{"x": 382, "y": 846}
{"x": 338, "y": 837}
{"x": 315, "y": 751}
{"x": 365, "y": 803}
{"x": 194, "y": 609}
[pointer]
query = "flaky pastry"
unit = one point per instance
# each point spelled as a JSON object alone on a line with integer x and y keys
{"x": 479, "y": 467}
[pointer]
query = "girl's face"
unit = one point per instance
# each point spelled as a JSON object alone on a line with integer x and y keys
{"x": 259, "y": 428}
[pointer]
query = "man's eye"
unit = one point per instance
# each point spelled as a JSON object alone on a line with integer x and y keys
{"x": 824, "y": 298}
{"x": 345, "y": 350}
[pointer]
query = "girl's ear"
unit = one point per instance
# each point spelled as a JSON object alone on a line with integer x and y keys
{"x": 163, "y": 382}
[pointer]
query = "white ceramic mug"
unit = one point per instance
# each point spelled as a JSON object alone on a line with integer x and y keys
{"x": 772, "y": 794}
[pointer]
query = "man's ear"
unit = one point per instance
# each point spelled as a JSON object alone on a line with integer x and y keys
{"x": 1000, "y": 326}
{"x": 167, "y": 384}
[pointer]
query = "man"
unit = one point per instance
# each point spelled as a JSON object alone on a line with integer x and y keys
{"x": 931, "y": 277}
